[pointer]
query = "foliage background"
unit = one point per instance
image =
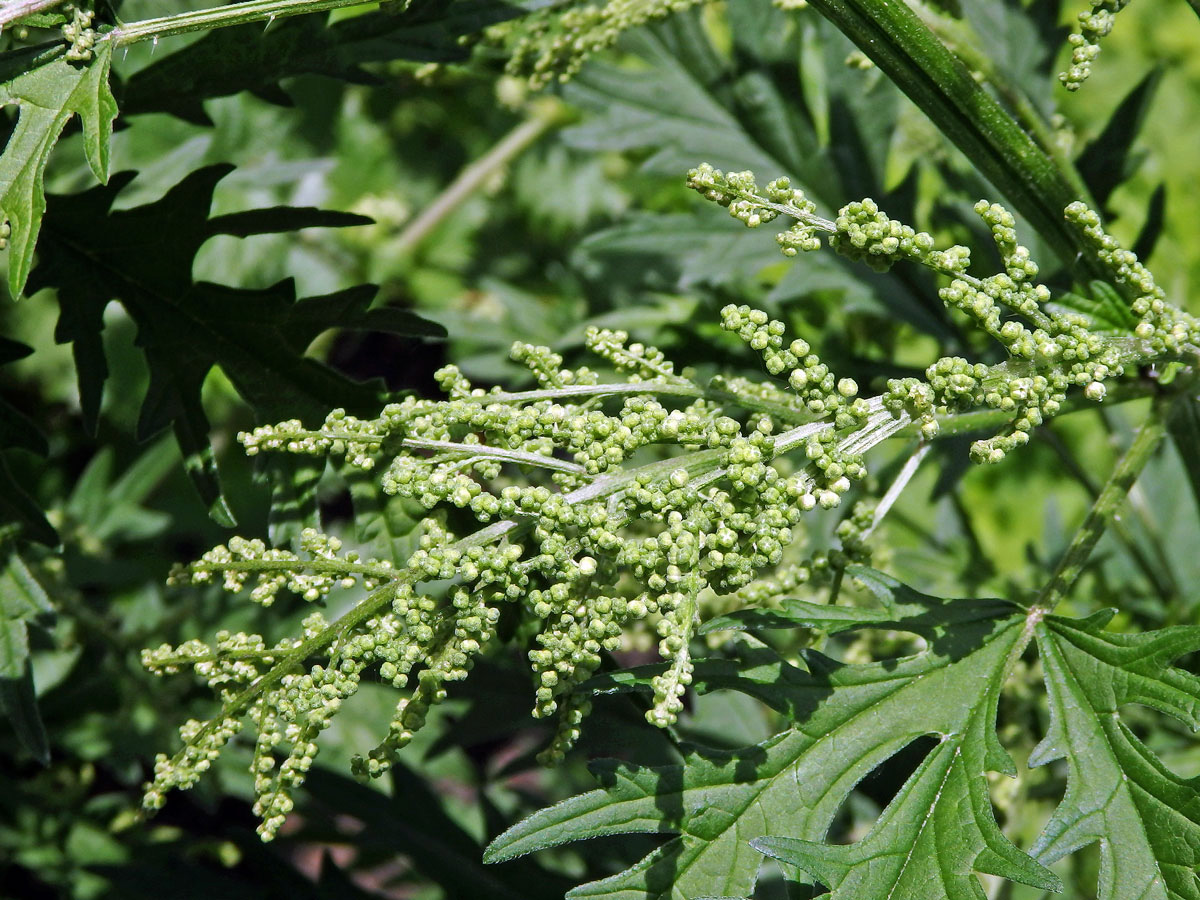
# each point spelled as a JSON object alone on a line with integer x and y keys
{"x": 574, "y": 231}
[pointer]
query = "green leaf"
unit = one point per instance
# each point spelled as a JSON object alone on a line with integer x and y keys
{"x": 22, "y": 600}
{"x": 678, "y": 106}
{"x": 793, "y": 613}
{"x": 1152, "y": 227}
{"x": 19, "y": 702}
{"x": 1109, "y": 160}
{"x": 17, "y": 429}
{"x": 1102, "y": 305}
{"x": 849, "y": 719}
{"x": 1184, "y": 428}
{"x": 1145, "y": 818}
{"x": 107, "y": 508}
{"x": 48, "y": 96}
{"x": 93, "y": 255}
{"x": 17, "y": 506}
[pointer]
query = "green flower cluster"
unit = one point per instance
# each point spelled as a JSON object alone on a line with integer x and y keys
{"x": 638, "y": 498}
{"x": 553, "y": 42}
{"x": 1094, "y": 24}
{"x": 79, "y": 34}
{"x": 1050, "y": 350}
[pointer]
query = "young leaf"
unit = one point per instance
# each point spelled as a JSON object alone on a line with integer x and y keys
{"x": 849, "y": 719}
{"x": 48, "y": 96}
{"x": 1145, "y": 817}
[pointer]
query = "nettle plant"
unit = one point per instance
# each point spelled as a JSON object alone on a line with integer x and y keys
{"x": 633, "y": 500}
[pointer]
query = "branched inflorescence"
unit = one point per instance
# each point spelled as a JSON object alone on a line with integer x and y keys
{"x": 1050, "y": 351}
{"x": 641, "y": 497}
{"x": 1094, "y": 24}
{"x": 607, "y": 506}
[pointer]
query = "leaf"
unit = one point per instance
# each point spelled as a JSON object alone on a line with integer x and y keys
{"x": 682, "y": 111}
{"x": 18, "y": 506}
{"x": 93, "y": 255}
{"x": 1145, "y": 817}
{"x": 1108, "y": 159}
{"x": 245, "y": 58}
{"x": 106, "y": 508}
{"x": 1102, "y": 305}
{"x": 848, "y": 720}
{"x": 48, "y": 97}
{"x": 22, "y": 600}
{"x": 793, "y": 613}
{"x": 19, "y": 702}
{"x": 17, "y": 429}
{"x": 1156, "y": 213}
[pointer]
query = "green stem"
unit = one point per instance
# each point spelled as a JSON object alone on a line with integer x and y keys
{"x": 1157, "y": 572}
{"x": 955, "y": 424}
{"x": 320, "y": 566}
{"x": 962, "y": 39}
{"x": 222, "y": 17}
{"x": 544, "y": 117}
{"x": 1107, "y": 504}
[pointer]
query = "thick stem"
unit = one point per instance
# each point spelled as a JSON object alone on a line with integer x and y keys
{"x": 1107, "y": 504}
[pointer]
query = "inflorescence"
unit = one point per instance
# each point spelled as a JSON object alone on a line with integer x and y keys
{"x": 552, "y": 43}
{"x": 1094, "y": 24}
{"x": 1050, "y": 351}
{"x": 611, "y": 507}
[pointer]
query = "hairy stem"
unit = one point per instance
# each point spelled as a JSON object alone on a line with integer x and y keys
{"x": 1107, "y": 504}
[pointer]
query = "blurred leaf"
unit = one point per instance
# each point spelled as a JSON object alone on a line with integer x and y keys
{"x": 1184, "y": 428}
{"x": 1108, "y": 160}
{"x": 1152, "y": 227}
{"x": 19, "y": 702}
{"x": 435, "y": 844}
{"x": 18, "y": 506}
{"x": 16, "y": 429}
{"x": 49, "y": 95}
{"x": 107, "y": 509}
{"x": 22, "y": 600}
